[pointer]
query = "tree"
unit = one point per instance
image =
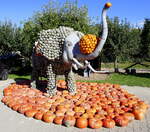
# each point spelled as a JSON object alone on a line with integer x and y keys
{"x": 10, "y": 37}
{"x": 145, "y": 41}
{"x": 133, "y": 46}
{"x": 117, "y": 40}
{"x": 29, "y": 36}
{"x": 122, "y": 43}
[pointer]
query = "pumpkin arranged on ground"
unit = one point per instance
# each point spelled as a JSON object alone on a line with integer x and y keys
{"x": 95, "y": 123}
{"x": 39, "y": 115}
{"x": 129, "y": 116}
{"x": 58, "y": 120}
{"x": 48, "y": 117}
{"x": 109, "y": 123}
{"x": 121, "y": 121}
{"x": 69, "y": 121}
{"x": 81, "y": 122}
{"x": 139, "y": 115}
{"x": 94, "y": 105}
{"x": 30, "y": 113}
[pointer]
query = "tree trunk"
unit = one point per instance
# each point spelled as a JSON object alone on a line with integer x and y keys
{"x": 116, "y": 65}
{"x": 100, "y": 62}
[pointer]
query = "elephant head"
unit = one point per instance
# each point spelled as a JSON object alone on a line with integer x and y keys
{"x": 72, "y": 50}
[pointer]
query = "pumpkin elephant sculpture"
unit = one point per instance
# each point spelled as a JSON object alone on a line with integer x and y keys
{"x": 58, "y": 50}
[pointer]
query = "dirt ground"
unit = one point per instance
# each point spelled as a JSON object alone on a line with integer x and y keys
{"x": 93, "y": 76}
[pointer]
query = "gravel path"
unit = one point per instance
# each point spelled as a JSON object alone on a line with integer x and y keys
{"x": 11, "y": 121}
{"x": 93, "y": 76}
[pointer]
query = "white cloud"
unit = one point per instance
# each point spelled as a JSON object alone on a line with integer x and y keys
{"x": 139, "y": 24}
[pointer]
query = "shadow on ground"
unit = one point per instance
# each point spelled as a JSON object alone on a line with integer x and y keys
{"x": 144, "y": 75}
{"x": 42, "y": 85}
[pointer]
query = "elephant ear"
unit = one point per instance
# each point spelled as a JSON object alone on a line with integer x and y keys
{"x": 79, "y": 34}
{"x": 51, "y": 42}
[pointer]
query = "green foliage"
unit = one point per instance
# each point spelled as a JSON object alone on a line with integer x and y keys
{"x": 29, "y": 36}
{"x": 10, "y": 37}
{"x": 145, "y": 41}
{"x": 122, "y": 42}
{"x": 69, "y": 14}
{"x": 133, "y": 46}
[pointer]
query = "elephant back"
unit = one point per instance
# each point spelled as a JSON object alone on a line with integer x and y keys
{"x": 51, "y": 42}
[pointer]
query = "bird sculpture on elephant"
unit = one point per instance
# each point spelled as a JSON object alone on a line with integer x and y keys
{"x": 59, "y": 50}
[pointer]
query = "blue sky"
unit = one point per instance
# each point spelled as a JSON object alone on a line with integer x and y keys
{"x": 134, "y": 10}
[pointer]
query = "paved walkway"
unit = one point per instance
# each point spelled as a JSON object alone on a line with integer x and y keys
{"x": 11, "y": 121}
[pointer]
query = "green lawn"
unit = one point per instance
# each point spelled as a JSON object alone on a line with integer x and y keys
{"x": 140, "y": 79}
{"x": 127, "y": 64}
{"x": 15, "y": 76}
{"x": 131, "y": 80}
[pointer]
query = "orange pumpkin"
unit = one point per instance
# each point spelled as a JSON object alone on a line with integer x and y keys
{"x": 92, "y": 110}
{"x": 59, "y": 113}
{"x": 11, "y": 104}
{"x": 129, "y": 116}
{"x": 121, "y": 121}
{"x": 16, "y": 107}
{"x": 108, "y": 123}
{"x": 7, "y": 91}
{"x": 48, "y": 117}
{"x": 94, "y": 123}
{"x": 58, "y": 120}
{"x": 30, "y": 113}
{"x": 23, "y": 108}
{"x": 108, "y": 5}
{"x": 69, "y": 121}
{"x": 138, "y": 114}
{"x": 81, "y": 122}
{"x": 39, "y": 115}
{"x": 70, "y": 113}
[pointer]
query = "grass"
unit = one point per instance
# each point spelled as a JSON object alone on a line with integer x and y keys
{"x": 131, "y": 80}
{"x": 127, "y": 64}
{"x": 140, "y": 79}
{"x": 14, "y": 76}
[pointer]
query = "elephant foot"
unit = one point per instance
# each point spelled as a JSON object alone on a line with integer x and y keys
{"x": 33, "y": 84}
{"x": 72, "y": 93}
{"x": 51, "y": 92}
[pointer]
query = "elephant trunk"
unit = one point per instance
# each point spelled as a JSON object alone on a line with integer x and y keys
{"x": 103, "y": 37}
{"x": 104, "y": 34}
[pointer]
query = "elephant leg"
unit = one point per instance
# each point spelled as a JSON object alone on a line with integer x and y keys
{"x": 51, "y": 77}
{"x": 70, "y": 81}
{"x": 34, "y": 78}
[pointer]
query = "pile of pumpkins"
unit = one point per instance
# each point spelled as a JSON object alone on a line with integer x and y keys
{"x": 95, "y": 105}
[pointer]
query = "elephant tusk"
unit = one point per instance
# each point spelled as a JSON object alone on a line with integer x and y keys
{"x": 93, "y": 70}
{"x": 78, "y": 63}
{"x": 87, "y": 64}
{"x": 75, "y": 66}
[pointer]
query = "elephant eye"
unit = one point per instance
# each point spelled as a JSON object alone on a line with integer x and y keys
{"x": 68, "y": 43}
